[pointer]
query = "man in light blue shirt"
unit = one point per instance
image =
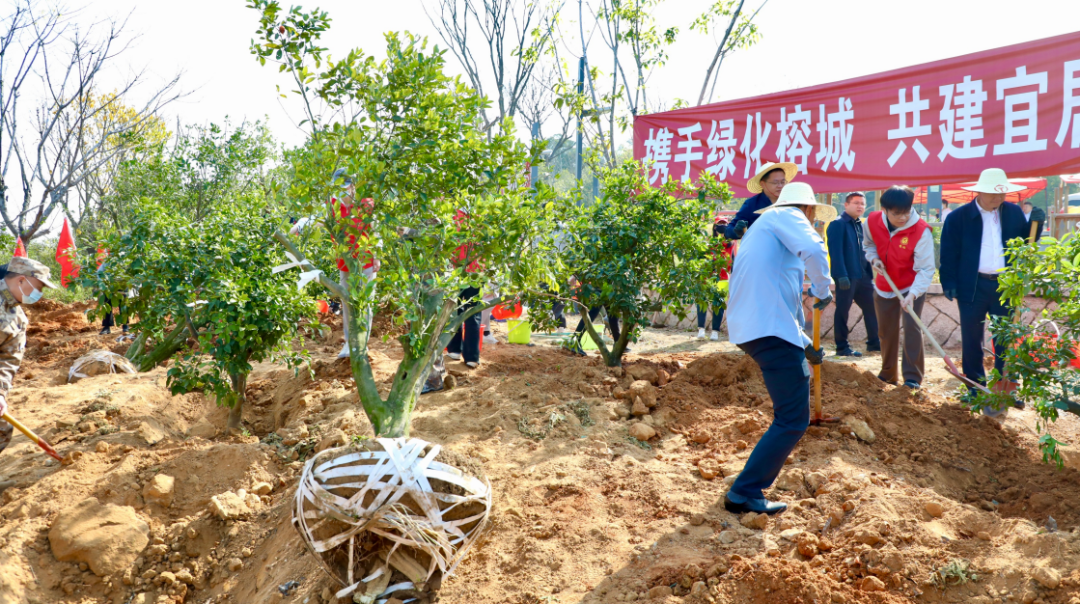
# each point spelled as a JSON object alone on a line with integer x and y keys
{"x": 765, "y": 320}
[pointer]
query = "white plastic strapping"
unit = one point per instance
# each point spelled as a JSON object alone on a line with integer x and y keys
{"x": 110, "y": 360}
{"x": 384, "y": 487}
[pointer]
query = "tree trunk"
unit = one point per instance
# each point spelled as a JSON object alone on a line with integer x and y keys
{"x": 135, "y": 350}
{"x": 148, "y": 359}
{"x": 236, "y": 412}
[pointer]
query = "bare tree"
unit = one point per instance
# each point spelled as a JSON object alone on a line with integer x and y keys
{"x": 62, "y": 140}
{"x": 740, "y": 32}
{"x": 515, "y": 34}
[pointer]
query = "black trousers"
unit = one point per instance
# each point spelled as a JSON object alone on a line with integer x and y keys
{"x": 973, "y": 324}
{"x": 613, "y": 322}
{"x": 466, "y": 341}
{"x": 861, "y": 293}
{"x": 787, "y": 378}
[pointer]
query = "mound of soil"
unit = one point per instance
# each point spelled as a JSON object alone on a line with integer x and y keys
{"x": 936, "y": 506}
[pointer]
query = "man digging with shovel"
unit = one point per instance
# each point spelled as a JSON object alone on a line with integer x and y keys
{"x": 21, "y": 282}
{"x": 765, "y": 320}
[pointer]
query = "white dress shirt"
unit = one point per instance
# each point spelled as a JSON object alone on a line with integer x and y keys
{"x": 992, "y": 253}
{"x": 766, "y": 286}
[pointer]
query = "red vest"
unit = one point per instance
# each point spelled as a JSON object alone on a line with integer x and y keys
{"x": 897, "y": 252}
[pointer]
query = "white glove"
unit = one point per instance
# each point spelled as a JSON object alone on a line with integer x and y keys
{"x": 909, "y": 300}
{"x": 879, "y": 266}
{"x": 3, "y": 405}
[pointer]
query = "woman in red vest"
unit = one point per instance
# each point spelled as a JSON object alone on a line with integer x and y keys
{"x": 898, "y": 242}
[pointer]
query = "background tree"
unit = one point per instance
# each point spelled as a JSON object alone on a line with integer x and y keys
{"x": 636, "y": 251}
{"x": 213, "y": 278}
{"x": 514, "y": 36}
{"x": 52, "y": 147}
{"x": 138, "y": 140}
{"x": 448, "y": 210}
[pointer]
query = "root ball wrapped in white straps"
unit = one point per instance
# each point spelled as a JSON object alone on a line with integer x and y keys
{"x": 387, "y": 505}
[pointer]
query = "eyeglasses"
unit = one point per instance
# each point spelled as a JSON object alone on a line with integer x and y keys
{"x": 776, "y": 183}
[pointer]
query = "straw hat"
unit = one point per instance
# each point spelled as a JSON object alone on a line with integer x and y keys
{"x": 790, "y": 172}
{"x": 993, "y": 180}
{"x": 800, "y": 194}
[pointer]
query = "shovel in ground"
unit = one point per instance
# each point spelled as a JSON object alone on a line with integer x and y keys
{"x": 34, "y": 437}
{"x": 817, "y": 420}
{"x": 949, "y": 365}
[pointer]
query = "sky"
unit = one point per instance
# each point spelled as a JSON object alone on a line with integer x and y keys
{"x": 804, "y": 43}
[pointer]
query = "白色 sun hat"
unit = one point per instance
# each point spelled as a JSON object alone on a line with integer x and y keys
{"x": 993, "y": 180}
{"x": 801, "y": 194}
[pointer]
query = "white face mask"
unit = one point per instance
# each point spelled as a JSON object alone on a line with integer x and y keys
{"x": 29, "y": 298}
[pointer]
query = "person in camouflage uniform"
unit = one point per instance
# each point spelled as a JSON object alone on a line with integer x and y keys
{"x": 21, "y": 282}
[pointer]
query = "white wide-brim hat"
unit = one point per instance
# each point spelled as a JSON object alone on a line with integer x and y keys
{"x": 801, "y": 194}
{"x": 993, "y": 180}
{"x": 790, "y": 172}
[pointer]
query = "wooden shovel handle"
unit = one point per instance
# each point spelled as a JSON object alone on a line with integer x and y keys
{"x": 34, "y": 437}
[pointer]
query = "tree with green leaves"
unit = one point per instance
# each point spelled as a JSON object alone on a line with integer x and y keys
{"x": 636, "y": 251}
{"x": 209, "y": 288}
{"x": 1041, "y": 355}
{"x": 436, "y": 203}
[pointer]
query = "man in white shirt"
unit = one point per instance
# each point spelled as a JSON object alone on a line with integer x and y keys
{"x": 765, "y": 320}
{"x": 973, "y": 242}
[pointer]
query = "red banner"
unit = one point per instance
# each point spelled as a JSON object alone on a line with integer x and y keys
{"x": 1015, "y": 108}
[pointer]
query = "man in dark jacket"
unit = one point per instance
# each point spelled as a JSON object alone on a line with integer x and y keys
{"x": 973, "y": 242}
{"x": 1035, "y": 216}
{"x": 852, "y": 274}
{"x": 767, "y": 183}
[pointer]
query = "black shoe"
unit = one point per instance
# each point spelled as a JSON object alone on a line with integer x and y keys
{"x": 124, "y": 329}
{"x": 873, "y": 348}
{"x": 848, "y": 353}
{"x": 1019, "y": 404}
{"x": 913, "y": 385}
{"x": 891, "y": 383}
{"x": 104, "y": 331}
{"x": 761, "y": 506}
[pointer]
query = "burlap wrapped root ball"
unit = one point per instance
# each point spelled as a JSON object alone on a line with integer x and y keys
{"x": 389, "y": 517}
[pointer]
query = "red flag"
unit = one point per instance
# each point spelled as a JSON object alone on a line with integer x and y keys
{"x": 20, "y": 250}
{"x": 65, "y": 255}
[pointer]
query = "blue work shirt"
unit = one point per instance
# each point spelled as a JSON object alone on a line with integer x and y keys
{"x": 765, "y": 290}
{"x": 747, "y": 212}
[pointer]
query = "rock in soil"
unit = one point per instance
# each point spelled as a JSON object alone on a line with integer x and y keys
{"x": 935, "y": 509}
{"x": 1047, "y": 577}
{"x": 708, "y": 468}
{"x": 861, "y": 430}
{"x": 159, "y": 490}
{"x": 106, "y": 537}
{"x": 642, "y": 431}
{"x": 872, "y": 584}
{"x": 752, "y": 520}
{"x": 639, "y": 408}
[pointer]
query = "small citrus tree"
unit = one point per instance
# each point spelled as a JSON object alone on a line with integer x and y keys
{"x": 437, "y": 204}
{"x": 636, "y": 251}
{"x": 1041, "y": 355}
{"x": 209, "y": 290}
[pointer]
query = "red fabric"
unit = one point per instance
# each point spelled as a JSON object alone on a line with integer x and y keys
{"x": 65, "y": 255}
{"x": 955, "y": 193}
{"x": 502, "y": 313}
{"x": 684, "y": 142}
{"x": 463, "y": 252}
{"x": 20, "y": 250}
{"x": 897, "y": 252}
{"x": 345, "y": 212}
{"x": 101, "y": 256}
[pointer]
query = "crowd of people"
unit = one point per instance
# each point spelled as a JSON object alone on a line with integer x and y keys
{"x": 883, "y": 262}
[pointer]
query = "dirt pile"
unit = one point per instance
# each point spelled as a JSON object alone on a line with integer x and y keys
{"x": 939, "y": 507}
